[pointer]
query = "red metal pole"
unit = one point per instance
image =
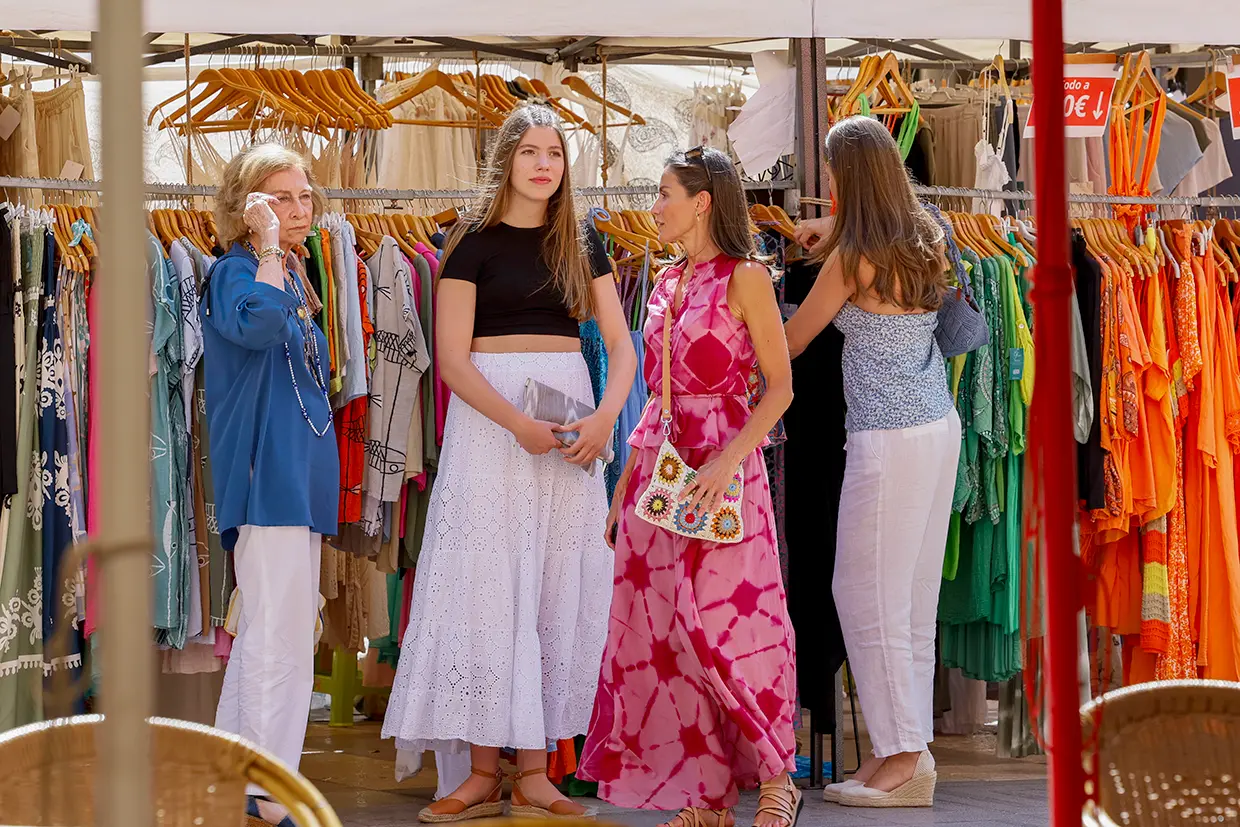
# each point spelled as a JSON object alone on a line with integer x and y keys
{"x": 1052, "y": 419}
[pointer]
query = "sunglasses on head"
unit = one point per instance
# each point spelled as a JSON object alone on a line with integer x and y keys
{"x": 697, "y": 155}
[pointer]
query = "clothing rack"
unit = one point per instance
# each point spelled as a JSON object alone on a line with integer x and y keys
{"x": 1084, "y": 198}
{"x": 204, "y": 190}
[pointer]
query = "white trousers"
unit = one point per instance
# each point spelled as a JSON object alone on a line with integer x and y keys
{"x": 894, "y": 511}
{"x": 270, "y": 674}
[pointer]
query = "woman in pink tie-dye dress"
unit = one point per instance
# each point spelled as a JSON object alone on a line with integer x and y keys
{"x": 697, "y": 693}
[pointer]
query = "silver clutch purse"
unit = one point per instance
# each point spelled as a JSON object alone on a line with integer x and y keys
{"x": 547, "y": 404}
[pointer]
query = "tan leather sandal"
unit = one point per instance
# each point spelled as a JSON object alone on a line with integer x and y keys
{"x": 447, "y": 810}
{"x": 781, "y": 799}
{"x": 522, "y": 808}
{"x": 693, "y": 817}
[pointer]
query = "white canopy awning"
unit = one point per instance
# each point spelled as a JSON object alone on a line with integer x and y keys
{"x": 1135, "y": 21}
{"x": 1117, "y": 21}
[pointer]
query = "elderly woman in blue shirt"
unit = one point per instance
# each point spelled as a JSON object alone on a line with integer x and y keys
{"x": 273, "y": 449}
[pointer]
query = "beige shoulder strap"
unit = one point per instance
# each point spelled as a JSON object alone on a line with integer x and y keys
{"x": 666, "y": 418}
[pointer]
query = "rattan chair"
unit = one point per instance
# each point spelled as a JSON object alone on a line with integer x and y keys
{"x": 1166, "y": 754}
{"x": 48, "y": 774}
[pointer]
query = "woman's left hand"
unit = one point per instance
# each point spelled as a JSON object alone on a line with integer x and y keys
{"x": 712, "y": 480}
{"x": 593, "y": 434}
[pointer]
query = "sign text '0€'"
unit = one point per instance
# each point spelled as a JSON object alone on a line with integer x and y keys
{"x": 1087, "y": 94}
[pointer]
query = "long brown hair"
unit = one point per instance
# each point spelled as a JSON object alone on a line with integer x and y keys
{"x": 708, "y": 170}
{"x": 563, "y": 247}
{"x": 878, "y": 218}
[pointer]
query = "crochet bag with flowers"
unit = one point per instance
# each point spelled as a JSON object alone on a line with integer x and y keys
{"x": 663, "y": 504}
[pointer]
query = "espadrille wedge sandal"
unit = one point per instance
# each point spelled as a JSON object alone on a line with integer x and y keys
{"x": 918, "y": 791}
{"x": 449, "y": 810}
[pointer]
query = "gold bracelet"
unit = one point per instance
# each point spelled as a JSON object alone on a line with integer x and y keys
{"x": 270, "y": 252}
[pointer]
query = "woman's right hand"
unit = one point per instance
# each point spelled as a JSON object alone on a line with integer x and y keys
{"x": 261, "y": 218}
{"x": 812, "y": 233}
{"x": 537, "y": 437}
{"x": 613, "y": 521}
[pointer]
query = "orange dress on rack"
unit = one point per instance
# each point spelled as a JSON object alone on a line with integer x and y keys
{"x": 1116, "y": 552}
{"x": 1180, "y": 659}
{"x": 1214, "y": 548}
{"x": 1164, "y": 648}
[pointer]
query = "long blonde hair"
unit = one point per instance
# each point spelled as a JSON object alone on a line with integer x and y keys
{"x": 878, "y": 218}
{"x": 244, "y": 174}
{"x": 563, "y": 247}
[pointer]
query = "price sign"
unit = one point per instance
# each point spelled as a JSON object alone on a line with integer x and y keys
{"x": 1087, "y": 93}
{"x": 1233, "y": 101}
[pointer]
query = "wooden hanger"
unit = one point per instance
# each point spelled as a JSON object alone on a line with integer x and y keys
{"x": 632, "y": 242}
{"x": 367, "y": 104}
{"x": 971, "y": 234}
{"x": 1124, "y": 245}
{"x": 1092, "y": 242}
{"x": 999, "y": 67}
{"x": 1213, "y": 85}
{"x": 579, "y": 85}
{"x": 88, "y": 239}
{"x": 65, "y": 218}
{"x": 432, "y": 79}
{"x": 1137, "y": 76}
{"x": 497, "y": 87}
{"x": 865, "y": 71}
{"x": 990, "y": 224}
{"x": 763, "y": 214}
{"x": 881, "y": 75}
{"x": 367, "y": 240}
{"x": 1099, "y": 230}
{"x": 537, "y": 87}
{"x": 235, "y": 89}
{"x": 640, "y": 222}
{"x": 217, "y": 93}
{"x": 393, "y": 229}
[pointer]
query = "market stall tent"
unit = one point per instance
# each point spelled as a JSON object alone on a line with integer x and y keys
{"x": 1122, "y": 21}
{"x": 124, "y": 348}
{"x": 1135, "y": 21}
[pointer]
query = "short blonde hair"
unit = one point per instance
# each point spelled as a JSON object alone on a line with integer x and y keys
{"x": 244, "y": 174}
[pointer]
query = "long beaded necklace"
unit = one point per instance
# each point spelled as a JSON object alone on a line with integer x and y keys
{"x": 310, "y": 351}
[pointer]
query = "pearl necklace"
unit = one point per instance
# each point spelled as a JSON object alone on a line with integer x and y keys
{"x": 314, "y": 362}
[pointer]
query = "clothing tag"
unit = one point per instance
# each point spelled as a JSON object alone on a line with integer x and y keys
{"x": 1016, "y": 363}
{"x": 9, "y": 119}
{"x": 72, "y": 170}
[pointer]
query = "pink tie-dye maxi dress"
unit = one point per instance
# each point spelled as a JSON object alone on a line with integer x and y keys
{"x": 697, "y": 693}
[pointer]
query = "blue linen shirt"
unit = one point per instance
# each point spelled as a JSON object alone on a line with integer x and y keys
{"x": 269, "y": 467}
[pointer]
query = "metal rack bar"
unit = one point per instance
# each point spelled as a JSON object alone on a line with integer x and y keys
{"x": 1084, "y": 198}
{"x": 187, "y": 190}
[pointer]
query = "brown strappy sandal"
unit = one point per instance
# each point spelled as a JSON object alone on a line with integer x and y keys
{"x": 522, "y": 808}
{"x": 782, "y": 800}
{"x": 692, "y": 817}
{"x": 453, "y": 809}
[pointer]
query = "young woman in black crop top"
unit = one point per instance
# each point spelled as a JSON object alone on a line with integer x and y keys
{"x": 514, "y": 581}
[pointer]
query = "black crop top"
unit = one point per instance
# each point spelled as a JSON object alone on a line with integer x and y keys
{"x": 515, "y": 290}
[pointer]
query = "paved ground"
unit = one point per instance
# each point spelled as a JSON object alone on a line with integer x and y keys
{"x": 973, "y": 803}
{"x": 354, "y": 769}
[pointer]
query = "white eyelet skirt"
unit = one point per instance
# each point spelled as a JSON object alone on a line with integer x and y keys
{"x": 513, "y": 585}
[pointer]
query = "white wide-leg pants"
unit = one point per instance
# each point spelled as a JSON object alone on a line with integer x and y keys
{"x": 270, "y": 674}
{"x": 894, "y": 512}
